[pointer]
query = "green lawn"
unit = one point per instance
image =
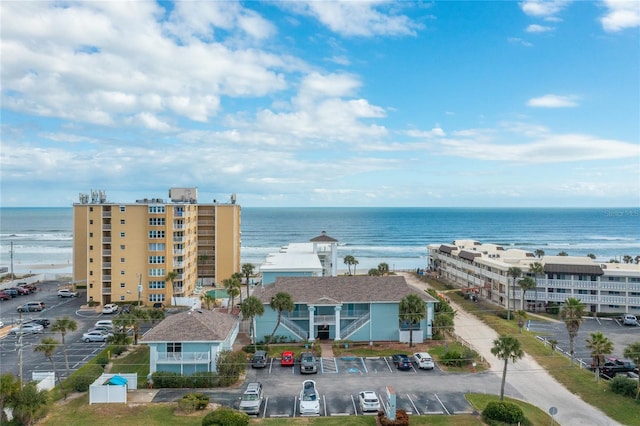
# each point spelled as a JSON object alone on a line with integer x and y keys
{"x": 135, "y": 361}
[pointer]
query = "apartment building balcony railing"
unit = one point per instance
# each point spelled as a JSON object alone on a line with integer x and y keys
{"x": 106, "y": 239}
{"x": 106, "y": 264}
{"x": 178, "y": 226}
{"x": 178, "y": 252}
{"x": 177, "y": 264}
{"x": 178, "y": 239}
{"x": 179, "y": 357}
{"x": 203, "y": 232}
{"x": 106, "y": 290}
{"x": 206, "y": 223}
{"x": 206, "y": 252}
{"x": 106, "y": 252}
{"x": 106, "y": 213}
{"x": 356, "y": 325}
{"x": 106, "y": 227}
{"x": 300, "y": 332}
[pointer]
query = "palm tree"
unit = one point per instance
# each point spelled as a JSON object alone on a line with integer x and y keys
{"x": 536, "y": 268}
{"x": 633, "y": 351}
{"x": 412, "y": 308}
{"x": 506, "y": 348}
{"x": 47, "y": 347}
{"x": 515, "y": 273}
{"x": 563, "y": 253}
{"x": 571, "y": 313}
{"x": 349, "y": 260}
{"x": 247, "y": 271}
{"x": 591, "y": 256}
{"x": 62, "y": 326}
{"x": 9, "y": 386}
{"x": 539, "y": 253}
{"x": 238, "y": 277}
{"x": 374, "y": 272}
{"x": 600, "y": 346}
{"x": 637, "y": 259}
{"x": 627, "y": 259}
{"x": 280, "y": 302}
{"x": 155, "y": 315}
{"x": 355, "y": 264}
{"x": 232, "y": 286}
{"x": 250, "y": 308}
{"x": 526, "y": 284}
{"x": 172, "y": 275}
{"x": 208, "y": 299}
{"x": 29, "y": 404}
{"x": 383, "y": 268}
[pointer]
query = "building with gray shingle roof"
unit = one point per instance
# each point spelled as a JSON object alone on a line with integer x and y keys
{"x": 190, "y": 341}
{"x": 357, "y": 308}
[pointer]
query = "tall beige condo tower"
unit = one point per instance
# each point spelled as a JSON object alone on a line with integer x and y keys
{"x": 127, "y": 251}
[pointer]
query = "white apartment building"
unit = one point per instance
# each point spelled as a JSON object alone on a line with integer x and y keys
{"x": 483, "y": 268}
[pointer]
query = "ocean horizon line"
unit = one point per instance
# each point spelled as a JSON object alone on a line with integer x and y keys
{"x": 379, "y": 207}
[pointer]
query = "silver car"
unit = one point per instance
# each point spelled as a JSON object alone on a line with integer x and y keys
{"x": 96, "y": 336}
{"x": 28, "y": 328}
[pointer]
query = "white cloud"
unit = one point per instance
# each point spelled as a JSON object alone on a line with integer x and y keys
{"x": 358, "y": 18}
{"x": 518, "y": 40}
{"x": 553, "y": 101}
{"x": 435, "y": 132}
{"x": 535, "y": 28}
{"x": 543, "y": 8}
{"x": 620, "y": 15}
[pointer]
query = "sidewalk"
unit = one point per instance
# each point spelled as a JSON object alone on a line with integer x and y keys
{"x": 531, "y": 382}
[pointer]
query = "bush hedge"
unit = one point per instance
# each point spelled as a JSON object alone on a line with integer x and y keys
{"x": 224, "y": 416}
{"x": 193, "y": 401}
{"x": 166, "y": 379}
{"x": 497, "y": 412}
{"x": 230, "y": 365}
{"x": 624, "y": 386}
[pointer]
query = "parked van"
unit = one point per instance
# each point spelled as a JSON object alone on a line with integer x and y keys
{"x": 104, "y": 323}
{"x": 259, "y": 359}
{"x": 31, "y": 307}
{"x": 251, "y": 399}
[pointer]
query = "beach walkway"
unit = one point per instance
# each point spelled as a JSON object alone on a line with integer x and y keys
{"x": 531, "y": 381}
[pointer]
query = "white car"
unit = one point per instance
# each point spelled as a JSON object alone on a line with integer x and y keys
{"x": 65, "y": 292}
{"x": 96, "y": 336}
{"x": 28, "y": 328}
{"x": 104, "y": 323}
{"x": 368, "y": 401}
{"x": 423, "y": 360}
{"x": 110, "y": 308}
{"x": 309, "y": 399}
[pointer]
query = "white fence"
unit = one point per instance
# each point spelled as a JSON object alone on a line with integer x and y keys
{"x": 100, "y": 392}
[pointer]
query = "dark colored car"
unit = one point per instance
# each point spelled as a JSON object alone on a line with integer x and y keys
{"x": 4, "y": 295}
{"x": 42, "y": 321}
{"x": 402, "y": 362}
{"x": 614, "y": 366}
{"x": 11, "y": 292}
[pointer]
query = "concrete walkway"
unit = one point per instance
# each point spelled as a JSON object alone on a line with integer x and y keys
{"x": 532, "y": 383}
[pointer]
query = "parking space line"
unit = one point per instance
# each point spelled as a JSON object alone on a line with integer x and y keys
{"x": 445, "y": 408}
{"x": 364, "y": 366}
{"x": 295, "y": 404}
{"x": 324, "y": 402}
{"x": 413, "y": 405}
{"x": 353, "y": 401}
{"x": 266, "y": 402}
{"x": 388, "y": 365}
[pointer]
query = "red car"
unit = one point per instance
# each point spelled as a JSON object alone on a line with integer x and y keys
{"x": 4, "y": 296}
{"x": 287, "y": 359}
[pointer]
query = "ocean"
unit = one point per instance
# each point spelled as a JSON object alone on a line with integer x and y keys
{"x": 397, "y": 236}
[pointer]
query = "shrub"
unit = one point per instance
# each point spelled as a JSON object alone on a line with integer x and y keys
{"x": 166, "y": 379}
{"x": 505, "y": 412}
{"x": 623, "y": 386}
{"x": 251, "y": 348}
{"x": 193, "y": 401}
{"x": 229, "y": 366}
{"x": 205, "y": 379}
{"x": 453, "y": 358}
{"x": 86, "y": 375}
{"x": 224, "y": 416}
{"x": 102, "y": 361}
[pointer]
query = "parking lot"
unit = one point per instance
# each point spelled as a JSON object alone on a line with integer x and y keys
{"x": 78, "y": 351}
{"x": 339, "y": 380}
{"x": 620, "y": 335}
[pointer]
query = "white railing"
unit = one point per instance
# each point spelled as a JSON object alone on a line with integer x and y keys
{"x": 355, "y": 326}
{"x": 300, "y": 332}
{"x": 184, "y": 356}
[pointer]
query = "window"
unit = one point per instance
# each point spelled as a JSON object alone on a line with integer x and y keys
{"x": 153, "y": 285}
{"x": 156, "y": 259}
{"x": 90, "y": 247}
{"x": 121, "y": 298}
{"x": 122, "y": 260}
{"x": 157, "y": 247}
{"x": 156, "y": 297}
{"x": 90, "y": 209}
{"x": 121, "y": 272}
{"x": 156, "y": 221}
{"x": 90, "y": 234}
{"x": 122, "y": 285}
{"x": 121, "y": 246}
{"x": 121, "y": 221}
{"x": 90, "y": 272}
{"x": 156, "y": 209}
{"x": 156, "y": 272}
{"x": 156, "y": 234}
{"x": 90, "y": 221}
{"x": 123, "y": 209}
{"x": 174, "y": 347}
{"x": 122, "y": 235}
{"x": 91, "y": 260}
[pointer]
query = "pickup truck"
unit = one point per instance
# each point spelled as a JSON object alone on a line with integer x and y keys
{"x": 613, "y": 366}
{"x": 65, "y": 292}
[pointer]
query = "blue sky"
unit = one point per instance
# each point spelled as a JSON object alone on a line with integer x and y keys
{"x": 323, "y": 103}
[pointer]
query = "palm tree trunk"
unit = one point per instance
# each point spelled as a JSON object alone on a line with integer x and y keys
{"x": 55, "y": 371}
{"x": 410, "y": 334}
{"x": 66, "y": 357}
{"x": 504, "y": 378}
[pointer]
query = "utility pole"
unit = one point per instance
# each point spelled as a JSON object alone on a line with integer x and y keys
{"x": 11, "y": 252}
{"x": 19, "y": 344}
